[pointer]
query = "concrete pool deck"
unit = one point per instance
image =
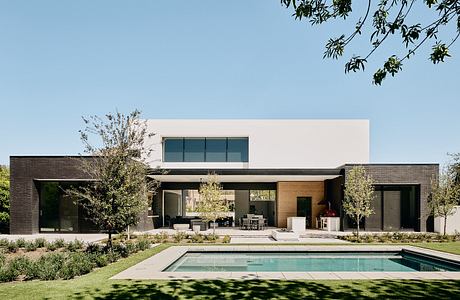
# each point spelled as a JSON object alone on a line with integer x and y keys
{"x": 152, "y": 267}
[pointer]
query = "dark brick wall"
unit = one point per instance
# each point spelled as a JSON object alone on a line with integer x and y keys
{"x": 26, "y": 171}
{"x": 419, "y": 174}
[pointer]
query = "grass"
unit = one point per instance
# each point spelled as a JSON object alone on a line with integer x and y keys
{"x": 451, "y": 247}
{"x": 97, "y": 285}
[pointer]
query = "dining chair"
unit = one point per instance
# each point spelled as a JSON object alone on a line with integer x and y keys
{"x": 260, "y": 224}
{"x": 246, "y": 223}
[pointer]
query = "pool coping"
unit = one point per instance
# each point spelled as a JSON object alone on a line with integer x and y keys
{"x": 152, "y": 268}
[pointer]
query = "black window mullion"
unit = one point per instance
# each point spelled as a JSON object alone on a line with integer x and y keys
{"x": 226, "y": 150}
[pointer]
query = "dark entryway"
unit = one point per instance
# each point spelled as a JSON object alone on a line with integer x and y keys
{"x": 304, "y": 210}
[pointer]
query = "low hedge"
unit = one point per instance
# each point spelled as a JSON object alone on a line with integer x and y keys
{"x": 180, "y": 237}
{"x": 74, "y": 261}
{"x": 400, "y": 237}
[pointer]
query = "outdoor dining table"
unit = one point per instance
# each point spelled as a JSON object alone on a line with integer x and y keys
{"x": 254, "y": 222}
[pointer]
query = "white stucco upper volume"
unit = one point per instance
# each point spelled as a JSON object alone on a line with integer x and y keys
{"x": 272, "y": 143}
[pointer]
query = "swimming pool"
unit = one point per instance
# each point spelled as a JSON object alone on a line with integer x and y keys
{"x": 399, "y": 261}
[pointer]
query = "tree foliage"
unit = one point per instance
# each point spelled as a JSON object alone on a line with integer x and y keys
{"x": 4, "y": 198}
{"x": 384, "y": 18}
{"x": 211, "y": 205}
{"x": 454, "y": 167}
{"x": 119, "y": 192}
{"x": 359, "y": 191}
{"x": 445, "y": 194}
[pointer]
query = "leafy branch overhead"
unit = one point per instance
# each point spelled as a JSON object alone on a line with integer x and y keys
{"x": 386, "y": 18}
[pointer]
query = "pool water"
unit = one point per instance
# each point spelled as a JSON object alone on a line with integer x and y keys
{"x": 306, "y": 262}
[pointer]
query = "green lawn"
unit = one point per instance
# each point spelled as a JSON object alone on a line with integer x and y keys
{"x": 453, "y": 247}
{"x": 97, "y": 285}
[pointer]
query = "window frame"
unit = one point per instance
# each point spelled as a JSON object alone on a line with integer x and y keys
{"x": 244, "y": 159}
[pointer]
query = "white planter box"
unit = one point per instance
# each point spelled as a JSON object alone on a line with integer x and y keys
{"x": 453, "y": 222}
{"x": 181, "y": 226}
{"x": 285, "y": 235}
{"x": 296, "y": 224}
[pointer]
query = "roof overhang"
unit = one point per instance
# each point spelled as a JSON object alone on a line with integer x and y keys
{"x": 246, "y": 175}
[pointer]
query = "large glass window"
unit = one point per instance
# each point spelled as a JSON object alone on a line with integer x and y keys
{"x": 174, "y": 149}
{"x": 237, "y": 149}
{"x": 194, "y": 150}
{"x": 205, "y": 149}
{"x": 262, "y": 195}
{"x": 216, "y": 150}
{"x": 395, "y": 208}
{"x": 59, "y": 212}
{"x": 192, "y": 199}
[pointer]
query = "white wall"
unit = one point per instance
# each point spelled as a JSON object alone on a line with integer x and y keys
{"x": 273, "y": 143}
{"x": 453, "y": 222}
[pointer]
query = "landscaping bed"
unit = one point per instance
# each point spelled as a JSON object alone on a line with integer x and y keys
{"x": 400, "y": 237}
{"x": 39, "y": 259}
{"x": 181, "y": 237}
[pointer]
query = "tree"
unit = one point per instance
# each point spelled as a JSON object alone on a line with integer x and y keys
{"x": 455, "y": 167}
{"x": 359, "y": 191}
{"x": 445, "y": 194}
{"x": 119, "y": 192}
{"x": 211, "y": 207}
{"x": 4, "y": 198}
{"x": 399, "y": 19}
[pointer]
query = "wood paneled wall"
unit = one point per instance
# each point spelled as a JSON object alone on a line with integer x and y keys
{"x": 287, "y": 193}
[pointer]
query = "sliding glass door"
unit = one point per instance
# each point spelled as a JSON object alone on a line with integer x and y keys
{"x": 396, "y": 207}
{"x": 60, "y": 212}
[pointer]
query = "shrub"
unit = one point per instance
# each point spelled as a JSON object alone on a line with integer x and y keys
{"x": 59, "y": 243}
{"x": 76, "y": 264}
{"x": 74, "y": 246}
{"x": 6, "y": 274}
{"x": 47, "y": 266}
{"x": 40, "y": 242}
{"x": 113, "y": 256}
{"x": 94, "y": 248}
{"x": 143, "y": 244}
{"x": 161, "y": 237}
{"x": 30, "y": 246}
{"x": 21, "y": 243}
{"x": 12, "y": 247}
{"x": 101, "y": 260}
{"x": 20, "y": 265}
{"x": 197, "y": 238}
{"x": 4, "y": 242}
{"x": 51, "y": 246}
{"x": 121, "y": 249}
{"x": 2, "y": 259}
{"x": 131, "y": 247}
{"x": 179, "y": 236}
{"x": 226, "y": 239}
{"x": 212, "y": 237}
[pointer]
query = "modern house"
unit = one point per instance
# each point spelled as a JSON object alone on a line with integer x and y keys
{"x": 274, "y": 168}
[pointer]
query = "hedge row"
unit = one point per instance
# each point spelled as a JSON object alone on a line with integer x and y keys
{"x": 66, "y": 265}
{"x": 400, "y": 237}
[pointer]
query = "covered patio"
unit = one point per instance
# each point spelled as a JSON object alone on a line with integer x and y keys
{"x": 258, "y": 199}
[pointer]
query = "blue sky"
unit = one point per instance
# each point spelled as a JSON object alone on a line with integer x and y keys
{"x": 60, "y": 60}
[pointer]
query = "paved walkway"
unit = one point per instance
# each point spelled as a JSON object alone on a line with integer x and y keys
{"x": 87, "y": 238}
{"x": 236, "y": 232}
{"x": 152, "y": 268}
{"x": 268, "y": 240}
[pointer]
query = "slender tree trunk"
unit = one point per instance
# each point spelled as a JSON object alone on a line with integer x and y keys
{"x": 445, "y": 224}
{"x": 214, "y": 227}
{"x": 357, "y": 227}
{"x": 109, "y": 242}
{"x": 128, "y": 236}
